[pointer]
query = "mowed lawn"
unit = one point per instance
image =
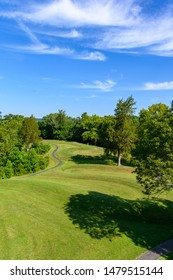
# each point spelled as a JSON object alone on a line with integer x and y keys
{"x": 88, "y": 208}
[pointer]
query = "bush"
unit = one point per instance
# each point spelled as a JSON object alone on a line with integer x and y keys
{"x": 43, "y": 162}
{"x": 32, "y": 161}
{"x": 23, "y": 162}
{"x": 41, "y": 148}
{"x": 8, "y": 169}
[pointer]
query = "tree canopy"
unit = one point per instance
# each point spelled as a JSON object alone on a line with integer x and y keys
{"x": 154, "y": 149}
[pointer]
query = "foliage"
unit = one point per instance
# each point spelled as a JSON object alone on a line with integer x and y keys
{"x": 125, "y": 128}
{"x": 23, "y": 162}
{"x": 41, "y": 148}
{"x": 107, "y": 134}
{"x": 56, "y": 126}
{"x": 77, "y": 130}
{"x": 29, "y": 132}
{"x": 154, "y": 149}
{"x": 118, "y": 132}
{"x": 4, "y": 140}
{"x": 17, "y": 135}
{"x": 43, "y": 161}
{"x": 91, "y": 126}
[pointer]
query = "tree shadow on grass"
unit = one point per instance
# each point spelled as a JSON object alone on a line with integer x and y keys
{"x": 102, "y": 159}
{"x": 86, "y": 159}
{"x": 100, "y": 215}
{"x": 169, "y": 256}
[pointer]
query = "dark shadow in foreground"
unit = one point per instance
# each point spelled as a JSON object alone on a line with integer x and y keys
{"x": 146, "y": 222}
{"x": 169, "y": 256}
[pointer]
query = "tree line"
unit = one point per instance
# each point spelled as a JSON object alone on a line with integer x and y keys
{"x": 145, "y": 140}
{"x": 116, "y": 134}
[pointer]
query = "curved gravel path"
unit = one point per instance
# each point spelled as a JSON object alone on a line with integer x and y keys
{"x": 55, "y": 166}
{"x": 158, "y": 251}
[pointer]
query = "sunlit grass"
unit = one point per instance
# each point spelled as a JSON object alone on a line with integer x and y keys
{"x": 84, "y": 209}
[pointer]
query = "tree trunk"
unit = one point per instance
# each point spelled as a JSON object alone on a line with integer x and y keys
{"x": 119, "y": 158}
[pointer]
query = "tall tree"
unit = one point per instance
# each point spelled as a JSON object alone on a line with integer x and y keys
{"x": 118, "y": 131}
{"x": 9, "y": 132}
{"x": 13, "y": 124}
{"x": 154, "y": 149}
{"x": 124, "y": 128}
{"x": 30, "y": 132}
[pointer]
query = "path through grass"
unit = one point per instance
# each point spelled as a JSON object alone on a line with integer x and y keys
{"x": 84, "y": 209}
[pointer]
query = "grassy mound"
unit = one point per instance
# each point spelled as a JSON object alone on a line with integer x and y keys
{"x": 85, "y": 209}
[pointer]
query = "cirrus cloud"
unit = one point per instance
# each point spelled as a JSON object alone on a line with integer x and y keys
{"x": 114, "y": 25}
{"x": 78, "y": 13}
{"x": 105, "y": 86}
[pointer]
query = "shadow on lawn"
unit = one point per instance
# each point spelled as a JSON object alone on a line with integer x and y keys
{"x": 101, "y": 215}
{"x": 102, "y": 159}
{"x": 169, "y": 256}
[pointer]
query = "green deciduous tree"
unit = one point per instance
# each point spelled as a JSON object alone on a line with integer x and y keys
{"x": 91, "y": 126}
{"x": 57, "y": 126}
{"x": 29, "y": 132}
{"x": 107, "y": 135}
{"x": 154, "y": 149}
{"x": 4, "y": 141}
{"x": 20, "y": 152}
{"x": 13, "y": 124}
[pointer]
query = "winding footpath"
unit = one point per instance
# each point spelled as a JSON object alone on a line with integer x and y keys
{"x": 55, "y": 166}
{"x": 152, "y": 254}
{"x": 158, "y": 251}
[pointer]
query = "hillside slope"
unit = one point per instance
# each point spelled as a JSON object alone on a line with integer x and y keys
{"x": 86, "y": 208}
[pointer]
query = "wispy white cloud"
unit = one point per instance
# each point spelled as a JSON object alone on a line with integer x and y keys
{"x": 118, "y": 25}
{"x": 38, "y": 47}
{"x": 42, "y": 49}
{"x": 158, "y": 86}
{"x": 29, "y": 33}
{"x": 78, "y": 13}
{"x": 93, "y": 55}
{"x": 106, "y": 86}
{"x": 62, "y": 34}
{"x": 153, "y": 35}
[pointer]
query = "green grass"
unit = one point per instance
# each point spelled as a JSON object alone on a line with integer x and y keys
{"x": 85, "y": 209}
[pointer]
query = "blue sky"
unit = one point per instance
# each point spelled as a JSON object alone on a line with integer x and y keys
{"x": 83, "y": 56}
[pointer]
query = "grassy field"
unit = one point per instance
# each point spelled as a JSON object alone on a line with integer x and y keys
{"x": 85, "y": 209}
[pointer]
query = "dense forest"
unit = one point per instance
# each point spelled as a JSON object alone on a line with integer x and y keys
{"x": 145, "y": 141}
